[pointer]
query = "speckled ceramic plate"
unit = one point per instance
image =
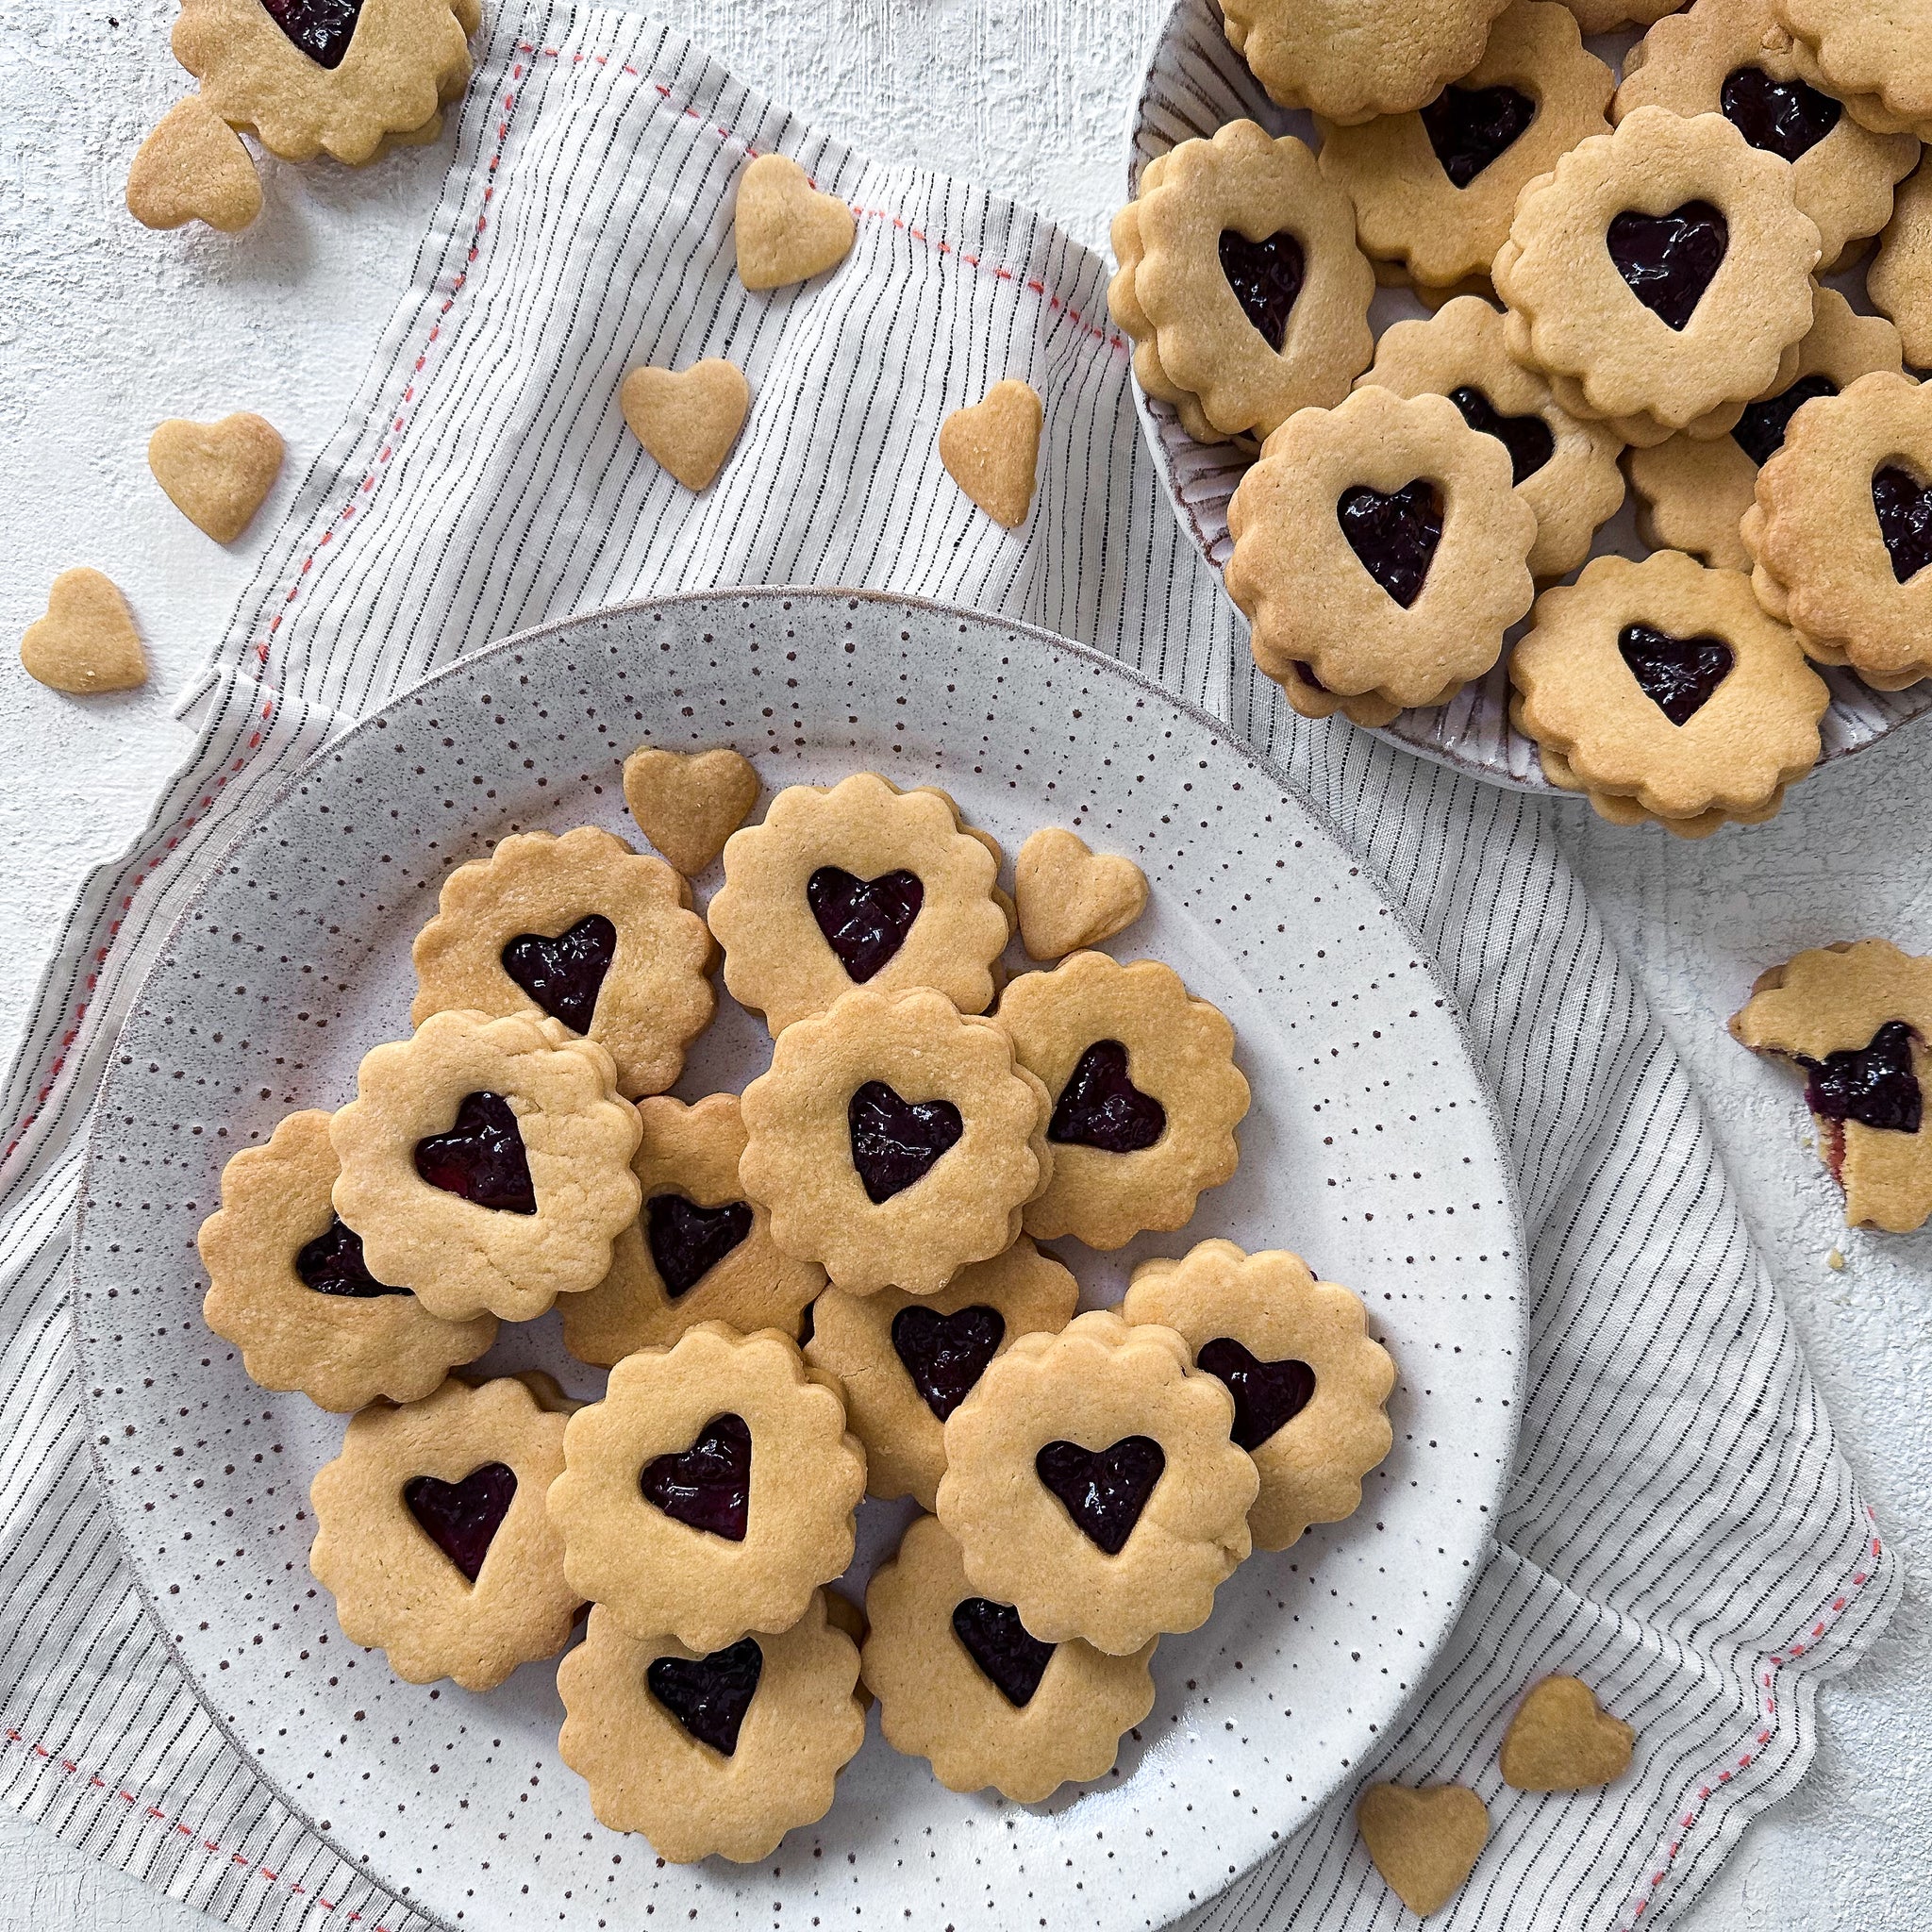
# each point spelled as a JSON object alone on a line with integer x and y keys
{"x": 1196, "y": 83}
{"x": 1372, "y": 1149}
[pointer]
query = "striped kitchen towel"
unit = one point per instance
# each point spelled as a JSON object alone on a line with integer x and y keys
{"x": 1682, "y": 1530}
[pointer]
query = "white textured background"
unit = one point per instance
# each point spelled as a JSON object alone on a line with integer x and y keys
{"x": 106, "y": 329}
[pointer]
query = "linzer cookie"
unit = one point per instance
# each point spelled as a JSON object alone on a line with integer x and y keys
{"x": 1874, "y": 55}
{"x": 1617, "y": 810}
{"x": 1092, "y": 1483}
{"x": 1858, "y": 1020}
{"x": 288, "y": 1285}
{"x": 962, "y": 1683}
{"x": 431, "y": 1534}
{"x": 1900, "y": 278}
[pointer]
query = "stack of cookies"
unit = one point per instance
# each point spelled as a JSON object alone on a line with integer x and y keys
{"x": 1625, "y": 281}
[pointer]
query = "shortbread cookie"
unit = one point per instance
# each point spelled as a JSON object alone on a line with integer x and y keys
{"x": 698, "y": 1252}
{"x": 1424, "y": 1842}
{"x": 287, "y": 1285}
{"x": 86, "y": 641}
{"x": 785, "y": 230}
{"x": 861, "y": 885}
{"x": 1661, "y": 272}
{"x": 1091, "y": 1482}
{"x": 686, "y": 419}
{"x": 1564, "y": 467}
{"x": 581, "y": 929}
{"x": 906, "y": 1362}
{"x": 962, "y": 1683}
{"x": 1900, "y": 278}
{"x": 718, "y": 1755}
{"x": 991, "y": 450}
{"x": 1694, "y": 494}
{"x": 486, "y": 1164}
{"x": 893, "y": 1141}
{"x": 1619, "y": 811}
{"x": 216, "y": 474}
{"x": 1349, "y": 59}
{"x": 1434, "y": 190}
{"x": 1666, "y": 683}
{"x": 688, "y": 803}
{"x": 1561, "y": 1739}
{"x": 711, "y": 1491}
{"x": 1069, "y": 896}
{"x": 1308, "y": 1384}
{"x": 1857, "y": 1019}
{"x": 1875, "y": 55}
{"x": 432, "y": 1536}
{"x": 1146, "y": 1095}
{"x": 193, "y": 168}
{"x": 1383, "y": 546}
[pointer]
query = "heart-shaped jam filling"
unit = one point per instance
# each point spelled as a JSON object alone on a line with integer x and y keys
{"x": 321, "y": 29}
{"x": 687, "y": 1241}
{"x": 462, "y": 1519}
{"x": 1905, "y": 520}
{"x": 1266, "y": 1394}
{"x": 1099, "y": 1107}
{"x": 481, "y": 1157}
{"x": 894, "y": 1142}
{"x": 1668, "y": 261}
{"x": 1103, "y": 1489}
{"x": 1677, "y": 674}
{"x": 946, "y": 1354}
{"x": 1266, "y": 276}
{"x": 1873, "y": 1085}
{"x": 1529, "y": 439}
{"x": 709, "y": 1697}
{"x": 1001, "y": 1645}
{"x": 1783, "y": 117}
{"x": 1395, "y": 536}
{"x": 564, "y": 974}
{"x": 864, "y": 921}
{"x": 332, "y": 1264}
{"x": 708, "y": 1485}
{"x": 1469, "y": 126}
{"x": 1761, "y": 430}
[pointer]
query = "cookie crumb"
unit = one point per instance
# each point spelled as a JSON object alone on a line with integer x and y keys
{"x": 1835, "y": 1262}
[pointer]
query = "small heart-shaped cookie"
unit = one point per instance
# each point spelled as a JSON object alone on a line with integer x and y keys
{"x": 216, "y": 474}
{"x": 785, "y": 230}
{"x": 991, "y": 450}
{"x": 86, "y": 641}
{"x": 193, "y": 168}
{"x": 1424, "y": 1843}
{"x": 687, "y": 419}
{"x": 1561, "y": 1739}
{"x": 688, "y": 803}
{"x": 1070, "y": 897}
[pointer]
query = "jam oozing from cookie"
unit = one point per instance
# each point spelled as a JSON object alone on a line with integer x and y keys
{"x": 1529, "y": 439}
{"x": 1873, "y": 1085}
{"x": 1761, "y": 429}
{"x": 894, "y": 1141}
{"x": 1266, "y": 1394}
{"x": 1668, "y": 261}
{"x": 1100, "y": 1106}
{"x": 1677, "y": 674}
{"x": 1002, "y": 1646}
{"x": 564, "y": 974}
{"x": 462, "y": 1519}
{"x": 687, "y": 1241}
{"x": 864, "y": 921}
{"x": 321, "y": 29}
{"x": 1470, "y": 126}
{"x": 710, "y": 1696}
{"x": 481, "y": 1157}
{"x": 708, "y": 1485}
{"x": 1266, "y": 276}
{"x": 332, "y": 1263}
{"x": 1395, "y": 536}
{"x": 946, "y": 1355}
{"x": 1103, "y": 1489}
{"x": 1905, "y": 520}
{"x": 1783, "y": 117}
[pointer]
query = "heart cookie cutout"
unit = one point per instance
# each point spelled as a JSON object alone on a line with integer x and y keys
{"x": 1070, "y": 897}
{"x": 1425, "y": 1843}
{"x": 216, "y": 474}
{"x": 86, "y": 641}
{"x": 785, "y": 230}
{"x": 991, "y": 450}
{"x": 688, "y": 803}
{"x": 1561, "y": 1739}
{"x": 193, "y": 168}
{"x": 687, "y": 419}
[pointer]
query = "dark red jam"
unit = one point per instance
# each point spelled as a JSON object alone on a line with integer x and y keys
{"x": 564, "y": 974}
{"x": 1528, "y": 439}
{"x": 481, "y": 1157}
{"x": 1395, "y": 535}
{"x": 1905, "y": 520}
{"x": 708, "y": 1485}
{"x": 1099, "y": 1107}
{"x": 321, "y": 29}
{"x": 864, "y": 921}
{"x": 1266, "y": 1394}
{"x": 894, "y": 1142}
{"x": 946, "y": 1355}
{"x": 687, "y": 1241}
{"x": 1266, "y": 277}
{"x": 1761, "y": 430}
{"x": 709, "y": 1697}
{"x": 1873, "y": 1085}
{"x": 1669, "y": 260}
{"x": 462, "y": 1519}
{"x": 1677, "y": 674}
{"x": 1103, "y": 1489}
{"x": 1470, "y": 126}
{"x": 1785, "y": 118}
{"x": 332, "y": 1264}
{"x": 1001, "y": 1645}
